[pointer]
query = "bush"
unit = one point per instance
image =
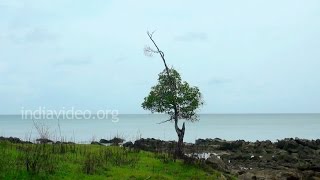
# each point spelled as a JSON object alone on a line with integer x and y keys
{"x": 38, "y": 159}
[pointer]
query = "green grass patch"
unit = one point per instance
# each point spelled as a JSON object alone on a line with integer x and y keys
{"x": 72, "y": 161}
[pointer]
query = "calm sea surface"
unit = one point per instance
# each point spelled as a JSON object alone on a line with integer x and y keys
{"x": 250, "y": 127}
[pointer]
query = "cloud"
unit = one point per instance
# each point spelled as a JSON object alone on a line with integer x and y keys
{"x": 192, "y": 37}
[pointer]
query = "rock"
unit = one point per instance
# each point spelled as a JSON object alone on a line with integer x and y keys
{"x": 59, "y": 142}
{"x": 209, "y": 142}
{"x": 128, "y": 144}
{"x": 297, "y": 145}
{"x": 154, "y": 145}
{"x": 200, "y": 141}
{"x": 270, "y": 174}
{"x": 311, "y": 144}
{"x": 232, "y": 145}
{"x": 217, "y": 163}
{"x": 104, "y": 141}
{"x": 114, "y": 141}
{"x": 44, "y": 141}
{"x": 13, "y": 140}
{"x": 284, "y": 159}
{"x": 117, "y": 140}
{"x": 96, "y": 143}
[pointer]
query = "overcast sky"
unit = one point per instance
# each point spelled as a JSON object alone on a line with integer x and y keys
{"x": 245, "y": 56}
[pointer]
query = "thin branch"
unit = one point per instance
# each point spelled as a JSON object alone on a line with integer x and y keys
{"x": 165, "y": 121}
{"x": 160, "y": 52}
{"x": 148, "y": 51}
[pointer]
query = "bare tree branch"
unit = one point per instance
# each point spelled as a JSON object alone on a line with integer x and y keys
{"x": 165, "y": 121}
{"x": 159, "y": 51}
{"x": 148, "y": 51}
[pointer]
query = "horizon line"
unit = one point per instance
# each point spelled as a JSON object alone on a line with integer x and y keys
{"x": 198, "y": 114}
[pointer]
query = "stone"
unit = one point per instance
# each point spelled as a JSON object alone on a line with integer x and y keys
{"x": 217, "y": 163}
{"x": 44, "y": 141}
{"x": 128, "y": 144}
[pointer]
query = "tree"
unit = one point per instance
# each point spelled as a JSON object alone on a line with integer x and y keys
{"x": 173, "y": 96}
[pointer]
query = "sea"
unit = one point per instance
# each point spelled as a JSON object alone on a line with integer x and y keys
{"x": 249, "y": 127}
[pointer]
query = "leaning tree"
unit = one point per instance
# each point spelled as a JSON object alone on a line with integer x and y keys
{"x": 172, "y": 96}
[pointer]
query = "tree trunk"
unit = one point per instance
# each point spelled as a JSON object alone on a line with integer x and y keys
{"x": 180, "y": 133}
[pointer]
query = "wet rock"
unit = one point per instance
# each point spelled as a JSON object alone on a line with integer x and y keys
{"x": 290, "y": 158}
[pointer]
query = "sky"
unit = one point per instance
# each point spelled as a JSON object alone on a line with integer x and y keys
{"x": 245, "y": 56}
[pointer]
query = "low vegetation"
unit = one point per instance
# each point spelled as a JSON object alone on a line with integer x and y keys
{"x": 75, "y": 161}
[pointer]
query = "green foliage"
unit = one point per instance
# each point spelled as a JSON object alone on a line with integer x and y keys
{"x": 37, "y": 159}
{"x": 172, "y": 90}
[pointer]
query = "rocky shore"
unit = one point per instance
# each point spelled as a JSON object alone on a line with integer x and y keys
{"x": 285, "y": 159}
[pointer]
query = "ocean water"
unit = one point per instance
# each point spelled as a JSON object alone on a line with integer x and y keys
{"x": 249, "y": 127}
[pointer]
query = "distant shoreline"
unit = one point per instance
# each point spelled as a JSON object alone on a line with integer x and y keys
{"x": 130, "y": 127}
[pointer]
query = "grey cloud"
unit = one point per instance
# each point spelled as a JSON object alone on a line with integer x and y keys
{"x": 192, "y": 36}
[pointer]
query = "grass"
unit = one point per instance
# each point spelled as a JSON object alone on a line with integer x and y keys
{"x": 74, "y": 161}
